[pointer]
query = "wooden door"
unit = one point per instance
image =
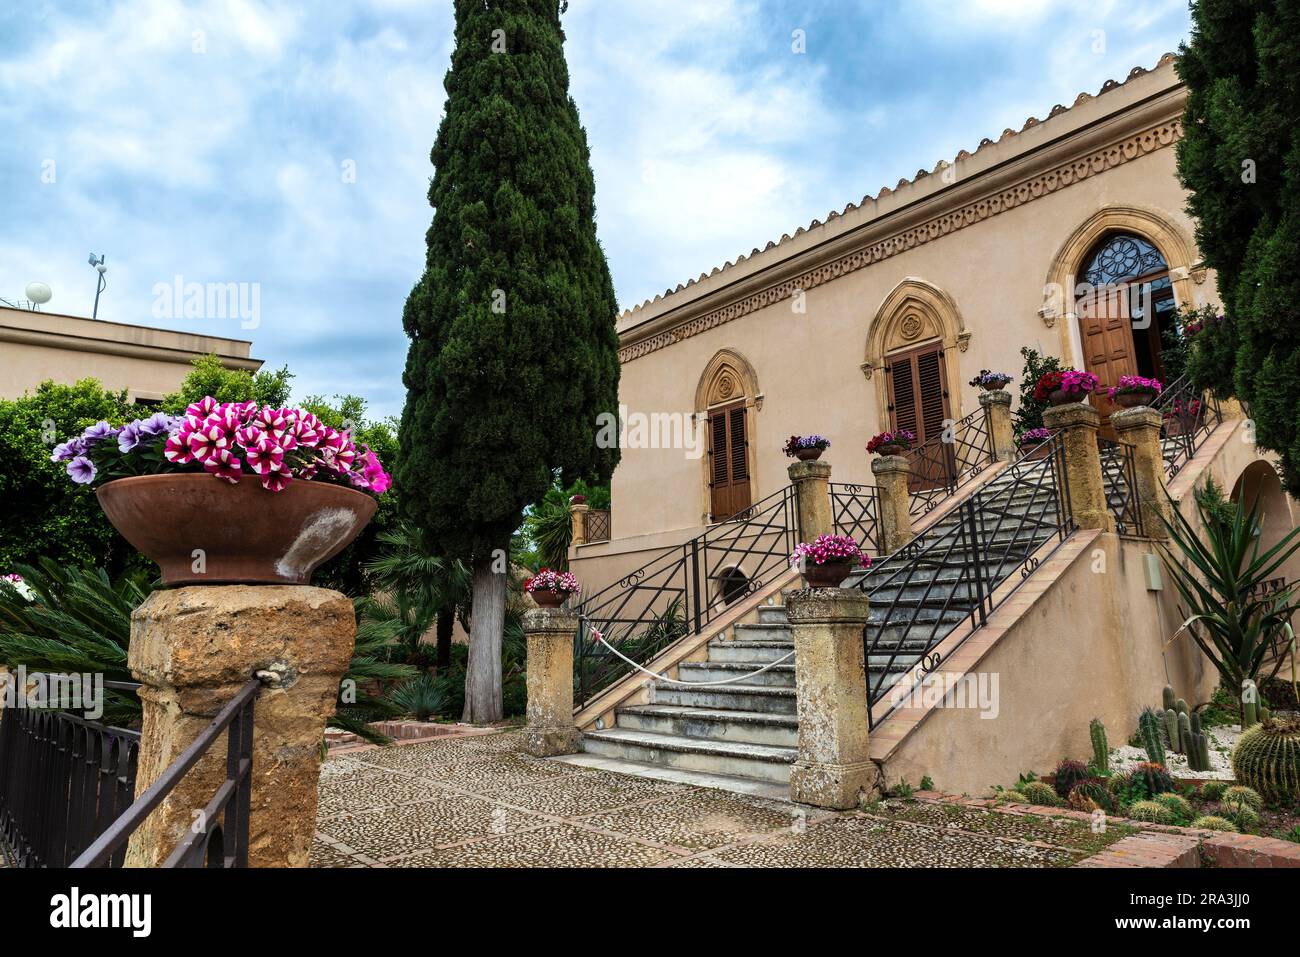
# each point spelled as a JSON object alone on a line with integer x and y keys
{"x": 1106, "y": 331}
{"x": 729, "y": 490}
{"x": 918, "y": 402}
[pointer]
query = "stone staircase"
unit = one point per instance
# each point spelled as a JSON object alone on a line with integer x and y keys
{"x": 748, "y": 729}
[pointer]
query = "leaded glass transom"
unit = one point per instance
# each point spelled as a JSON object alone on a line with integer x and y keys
{"x": 1123, "y": 257}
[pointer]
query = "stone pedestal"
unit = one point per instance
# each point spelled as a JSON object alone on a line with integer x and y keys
{"x": 997, "y": 416}
{"x": 893, "y": 473}
{"x": 193, "y": 648}
{"x": 1140, "y": 428}
{"x": 812, "y": 487}
{"x": 834, "y": 769}
{"x": 551, "y": 730}
{"x": 578, "y": 516}
{"x": 1078, "y": 423}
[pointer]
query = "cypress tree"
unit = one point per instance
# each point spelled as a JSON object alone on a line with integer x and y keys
{"x": 514, "y": 353}
{"x": 1240, "y": 160}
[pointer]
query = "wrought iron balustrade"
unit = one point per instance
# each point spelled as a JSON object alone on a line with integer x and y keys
{"x": 855, "y": 512}
{"x": 63, "y": 780}
{"x": 596, "y": 522}
{"x": 1188, "y": 416}
{"x": 950, "y": 574}
{"x": 681, "y": 590}
{"x": 943, "y": 464}
{"x": 1119, "y": 485}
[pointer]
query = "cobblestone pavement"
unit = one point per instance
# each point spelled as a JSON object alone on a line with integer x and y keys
{"x": 479, "y": 802}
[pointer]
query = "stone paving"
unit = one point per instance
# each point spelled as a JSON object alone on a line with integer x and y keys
{"x": 479, "y": 802}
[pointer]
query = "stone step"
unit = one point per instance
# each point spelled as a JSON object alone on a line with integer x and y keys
{"x": 771, "y": 614}
{"x": 761, "y": 761}
{"x": 714, "y": 724}
{"x": 758, "y": 652}
{"x": 769, "y": 790}
{"x": 737, "y": 697}
{"x": 776, "y": 676}
{"x": 746, "y": 631}
{"x": 881, "y": 664}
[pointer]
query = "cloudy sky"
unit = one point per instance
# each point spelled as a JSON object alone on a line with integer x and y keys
{"x": 284, "y": 145}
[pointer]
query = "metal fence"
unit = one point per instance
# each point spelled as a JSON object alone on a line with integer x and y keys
{"x": 1119, "y": 485}
{"x": 855, "y": 512}
{"x": 1188, "y": 416}
{"x": 597, "y": 525}
{"x": 943, "y": 464}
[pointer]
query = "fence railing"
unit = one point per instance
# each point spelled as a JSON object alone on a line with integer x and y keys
{"x": 945, "y": 463}
{"x": 1119, "y": 485}
{"x": 1189, "y": 415}
{"x": 219, "y": 836}
{"x": 950, "y": 573}
{"x": 681, "y": 590}
{"x": 855, "y": 511}
{"x": 596, "y": 522}
{"x": 64, "y": 779}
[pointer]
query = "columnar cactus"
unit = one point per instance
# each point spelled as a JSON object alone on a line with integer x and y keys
{"x": 1100, "y": 748}
{"x": 1149, "y": 730}
{"x": 1249, "y": 704}
{"x": 1171, "y": 731}
{"x": 1168, "y": 699}
{"x": 1267, "y": 758}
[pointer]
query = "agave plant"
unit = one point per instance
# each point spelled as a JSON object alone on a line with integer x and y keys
{"x": 1223, "y": 579}
{"x": 422, "y": 697}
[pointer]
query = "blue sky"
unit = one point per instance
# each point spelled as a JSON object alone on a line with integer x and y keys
{"x": 214, "y": 140}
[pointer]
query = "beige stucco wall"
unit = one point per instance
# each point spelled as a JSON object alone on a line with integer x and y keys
{"x": 148, "y": 363}
{"x": 808, "y": 366}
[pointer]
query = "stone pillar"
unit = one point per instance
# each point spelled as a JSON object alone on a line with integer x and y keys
{"x": 1078, "y": 423}
{"x": 193, "y": 648}
{"x": 812, "y": 486}
{"x": 893, "y": 474}
{"x": 578, "y": 515}
{"x": 551, "y": 730}
{"x": 1140, "y": 428}
{"x": 997, "y": 414}
{"x": 834, "y": 768}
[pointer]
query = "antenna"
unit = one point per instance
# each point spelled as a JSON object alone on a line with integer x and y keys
{"x": 102, "y": 284}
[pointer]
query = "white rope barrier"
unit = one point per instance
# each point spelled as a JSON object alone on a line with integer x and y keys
{"x": 690, "y": 684}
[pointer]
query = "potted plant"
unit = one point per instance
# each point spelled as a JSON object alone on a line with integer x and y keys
{"x": 826, "y": 562}
{"x": 1033, "y": 443}
{"x": 1065, "y": 386}
{"x": 550, "y": 589}
{"x": 991, "y": 381}
{"x": 891, "y": 443}
{"x": 1134, "y": 390}
{"x": 806, "y": 448}
{"x": 229, "y": 492}
{"x": 1183, "y": 416}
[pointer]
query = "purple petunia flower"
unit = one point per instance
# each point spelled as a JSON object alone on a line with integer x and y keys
{"x": 160, "y": 423}
{"x": 81, "y": 470}
{"x": 130, "y": 436}
{"x": 67, "y": 450}
{"x": 97, "y": 433}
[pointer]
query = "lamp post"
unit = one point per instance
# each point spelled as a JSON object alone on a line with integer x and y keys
{"x": 101, "y": 269}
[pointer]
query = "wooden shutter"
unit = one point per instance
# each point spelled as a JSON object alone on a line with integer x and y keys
{"x": 1107, "y": 333}
{"x": 902, "y": 395}
{"x": 739, "y": 461}
{"x": 729, "y": 490}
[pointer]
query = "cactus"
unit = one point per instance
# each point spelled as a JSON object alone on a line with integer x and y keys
{"x": 1153, "y": 778}
{"x": 1068, "y": 774}
{"x": 1245, "y": 817}
{"x": 1213, "y": 790}
{"x": 1149, "y": 730}
{"x": 1014, "y": 796}
{"x": 1177, "y": 805}
{"x": 1036, "y": 792}
{"x": 1198, "y": 754}
{"x": 1167, "y": 696}
{"x": 1185, "y": 734}
{"x": 1240, "y": 794}
{"x": 1100, "y": 749}
{"x": 1267, "y": 759}
{"x": 1249, "y": 704}
{"x": 1151, "y": 812}
{"x": 1171, "y": 731}
{"x": 1092, "y": 791}
{"x": 1181, "y": 706}
{"x": 1211, "y": 822}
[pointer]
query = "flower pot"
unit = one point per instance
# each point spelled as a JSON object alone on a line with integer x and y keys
{"x": 549, "y": 599}
{"x": 201, "y": 530}
{"x": 1129, "y": 400}
{"x": 808, "y": 455}
{"x": 826, "y": 575}
{"x": 1061, "y": 397}
{"x": 1033, "y": 451}
{"x": 891, "y": 450}
{"x": 994, "y": 386}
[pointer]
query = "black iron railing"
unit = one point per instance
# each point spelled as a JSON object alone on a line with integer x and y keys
{"x": 1189, "y": 415}
{"x": 950, "y": 573}
{"x": 855, "y": 511}
{"x": 219, "y": 836}
{"x": 1119, "y": 485}
{"x": 597, "y": 525}
{"x": 948, "y": 461}
{"x": 681, "y": 590}
{"x": 64, "y": 779}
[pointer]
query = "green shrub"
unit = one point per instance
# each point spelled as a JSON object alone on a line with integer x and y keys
{"x": 420, "y": 697}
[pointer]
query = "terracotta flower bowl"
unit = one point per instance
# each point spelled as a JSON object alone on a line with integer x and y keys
{"x": 827, "y": 574}
{"x": 808, "y": 455}
{"x": 1129, "y": 400}
{"x": 891, "y": 450}
{"x": 546, "y": 598}
{"x": 244, "y": 534}
{"x": 1033, "y": 451}
{"x": 1061, "y": 397}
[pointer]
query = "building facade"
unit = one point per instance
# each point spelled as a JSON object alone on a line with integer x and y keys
{"x": 148, "y": 363}
{"x": 879, "y": 316}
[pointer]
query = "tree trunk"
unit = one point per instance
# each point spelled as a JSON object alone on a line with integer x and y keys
{"x": 446, "y": 625}
{"x": 483, "y": 677}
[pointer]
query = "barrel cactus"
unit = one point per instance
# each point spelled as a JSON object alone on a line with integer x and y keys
{"x": 1152, "y": 778}
{"x": 1036, "y": 792}
{"x": 1068, "y": 774}
{"x": 1151, "y": 812}
{"x": 1016, "y": 797}
{"x": 1091, "y": 794}
{"x": 1241, "y": 794}
{"x": 1212, "y": 822}
{"x": 1267, "y": 758}
{"x": 1176, "y": 805}
{"x": 1213, "y": 790}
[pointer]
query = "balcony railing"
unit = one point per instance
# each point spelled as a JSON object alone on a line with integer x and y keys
{"x": 1189, "y": 416}
{"x": 943, "y": 464}
{"x": 596, "y": 524}
{"x": 1119, "y": 484}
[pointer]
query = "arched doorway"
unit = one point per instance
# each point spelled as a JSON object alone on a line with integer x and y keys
{"x": 727, "y": 392}
{"x": 1126, "y": 309}
{"x": 1259, "y": 486}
